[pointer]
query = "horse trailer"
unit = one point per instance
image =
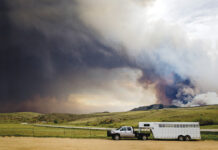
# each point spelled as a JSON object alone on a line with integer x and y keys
{"x": 172, "y": 130}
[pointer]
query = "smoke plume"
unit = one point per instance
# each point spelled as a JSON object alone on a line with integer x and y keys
{"x": 52, "y": 50}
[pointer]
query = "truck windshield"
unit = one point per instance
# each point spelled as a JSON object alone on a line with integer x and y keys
{"x": 122, "y": 129}
{"x": 119, "y": 128}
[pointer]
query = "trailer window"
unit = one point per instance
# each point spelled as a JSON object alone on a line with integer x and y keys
{"x": 196, "y": 126}
{"x": 161, "y": 125}
{"x": 178, "y": 125}
{"x": 146, "y": 125}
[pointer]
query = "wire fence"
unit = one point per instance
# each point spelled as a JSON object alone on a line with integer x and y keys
{"x": 72, "y": 133}
{"x": 53, "y": 132}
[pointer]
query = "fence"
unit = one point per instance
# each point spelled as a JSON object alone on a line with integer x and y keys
{"x": 53, "y": 132}
{"x": 33, "y": 131}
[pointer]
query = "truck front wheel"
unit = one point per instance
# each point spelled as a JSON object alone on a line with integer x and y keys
{"x": 116, "y": 137}
{"x": 144, "y": 137}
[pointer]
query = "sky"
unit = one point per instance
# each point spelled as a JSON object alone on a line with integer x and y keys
{"x": 79, "y": 56}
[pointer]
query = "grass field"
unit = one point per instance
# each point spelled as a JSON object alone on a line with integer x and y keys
{"x": 206, "y": 115}
{"x": 33, "y": 131}
{"x": 10, "y": 123}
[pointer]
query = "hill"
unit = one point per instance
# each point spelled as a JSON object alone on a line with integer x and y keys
{"x": 155, "y": 106}
{"x": 206, "y": 115}
{"x": 17, "y": 117}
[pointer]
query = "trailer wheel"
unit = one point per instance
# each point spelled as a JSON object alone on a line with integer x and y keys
{"x": 181, "y": 138}
{"x": 116, "y": 137}
{"x": 144, "y": 137}
{"x": 187, "y": 138}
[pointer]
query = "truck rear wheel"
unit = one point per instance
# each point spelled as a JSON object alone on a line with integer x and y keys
{"x": 144, "y": 137}
{"x": 116, "y": 137}
{"x": 181, "y": 138}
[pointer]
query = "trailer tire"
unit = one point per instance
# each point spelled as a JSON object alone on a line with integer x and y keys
{"x": 144, "y": 137}
{"x": 181, "y": 138}
{"x": 187, "y": 138}
{"x": 116, "y": 137}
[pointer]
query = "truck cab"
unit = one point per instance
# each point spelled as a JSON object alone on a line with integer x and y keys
{"x": 126, "y": 131}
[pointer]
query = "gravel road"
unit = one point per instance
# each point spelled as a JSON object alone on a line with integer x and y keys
{"x": 29, "y": 143}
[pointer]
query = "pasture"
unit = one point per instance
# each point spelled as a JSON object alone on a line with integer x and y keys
{"x": 21, "y": 124}
{"x": 34, "y": 131}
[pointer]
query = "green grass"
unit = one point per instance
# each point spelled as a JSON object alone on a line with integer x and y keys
{"x": 10, "y": 123}
{"x": 33, "y": 131}
{"x": 206, "y": 115}
{"x": 209, "y": 135}
{"x": 18, "y": 117}
{"x": 210, "y": 127}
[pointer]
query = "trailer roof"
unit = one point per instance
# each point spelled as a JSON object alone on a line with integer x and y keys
{"x": 169, "y": 122}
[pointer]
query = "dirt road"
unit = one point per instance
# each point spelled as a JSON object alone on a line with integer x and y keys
{"x": 25, "y": 143}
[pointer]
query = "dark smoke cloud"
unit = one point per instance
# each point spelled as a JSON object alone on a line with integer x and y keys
{"x": 41, "y": 51}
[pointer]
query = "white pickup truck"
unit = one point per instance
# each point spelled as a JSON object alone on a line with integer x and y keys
{"x": 127, "y": 132}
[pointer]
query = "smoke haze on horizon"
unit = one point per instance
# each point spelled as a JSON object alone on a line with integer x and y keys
{"x": 82, "y": 56}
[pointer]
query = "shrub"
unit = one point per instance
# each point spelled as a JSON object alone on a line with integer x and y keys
{"x": 205, "y": 121}
{"x": 55, "y": 121}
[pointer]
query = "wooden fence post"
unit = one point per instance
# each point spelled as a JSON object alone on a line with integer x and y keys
{"x": 33, "y": 131}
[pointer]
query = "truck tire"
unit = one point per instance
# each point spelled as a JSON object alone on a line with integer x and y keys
{"x": 181, "y": 138}
{"x": 144, "y": 137}
{"x": 187, "y": 138}
{"x": 116, "y": 137}
{"x": 108, "y": 133}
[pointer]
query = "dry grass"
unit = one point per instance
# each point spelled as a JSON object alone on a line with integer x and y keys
{"x": 24, "y": 143}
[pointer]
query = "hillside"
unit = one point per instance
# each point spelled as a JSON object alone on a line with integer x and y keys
{"x": 18, "y": 117}
{"x": 155, "y": 106}
{"x": 206, "y": 115}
